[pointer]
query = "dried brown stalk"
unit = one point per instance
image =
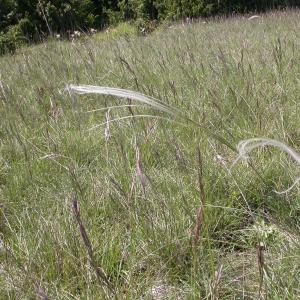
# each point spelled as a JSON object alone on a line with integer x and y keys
{"x": 200, "y": 212}
{"x": 261, "y": 266}
{"x": 40, "y": 293}
{"x": 215, "y": 284}
{"x": 100, "y": 274}
{"x": 139, "y": 169}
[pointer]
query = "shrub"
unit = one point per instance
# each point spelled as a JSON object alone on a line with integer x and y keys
{"x": 10, "y": 40}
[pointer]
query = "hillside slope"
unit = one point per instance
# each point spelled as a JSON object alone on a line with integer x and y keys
{"x": 137, "y": 179}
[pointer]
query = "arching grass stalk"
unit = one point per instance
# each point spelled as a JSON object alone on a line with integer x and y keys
{"x": 175, "y": 114}
{"x": 244, "y": 147}
{"x": 122, "y": 93}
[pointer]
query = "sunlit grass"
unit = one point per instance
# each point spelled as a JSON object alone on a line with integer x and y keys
{"x": 136, "y": 174}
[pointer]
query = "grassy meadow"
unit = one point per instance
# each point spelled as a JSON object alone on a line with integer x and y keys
{"x": 152, "y": 207}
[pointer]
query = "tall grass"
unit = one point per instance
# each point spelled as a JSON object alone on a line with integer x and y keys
{"x": 139, "y": 181}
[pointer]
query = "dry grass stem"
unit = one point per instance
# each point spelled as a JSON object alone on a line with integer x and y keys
{"x": 40, "y": 293}
{"x": 139, "y": 168}
{"x": 215, "y": 284}
{"x": 101, "y": 276}
{"x": 200, "y": 212}
{"x": 261, "y": 266}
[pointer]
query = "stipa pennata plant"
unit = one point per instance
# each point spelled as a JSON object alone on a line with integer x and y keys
{"x": 172, "y": 114}
{"x": 126, "y": 94}
{"x": 244, "y": 147}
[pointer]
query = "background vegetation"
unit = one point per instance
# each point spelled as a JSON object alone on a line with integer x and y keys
{"x": 137, "y": 180}
{"x": 33, "y": 20}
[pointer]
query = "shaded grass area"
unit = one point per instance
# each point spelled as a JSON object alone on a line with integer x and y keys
{"x": 136, "y": 180}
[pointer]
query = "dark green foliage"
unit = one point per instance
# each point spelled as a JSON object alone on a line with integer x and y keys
{"x": 7, "y": 13}
{"x": 57, "y": 16}
{"x": 10, "y": 40}
{"x": 34, "y": 20}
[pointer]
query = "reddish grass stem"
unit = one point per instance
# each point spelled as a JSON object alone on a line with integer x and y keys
{"x": 100, "y": 274}
{"x": 40, "y": 293}
{"x": 200, "y": 212}
{"x": 261, "y": 266}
